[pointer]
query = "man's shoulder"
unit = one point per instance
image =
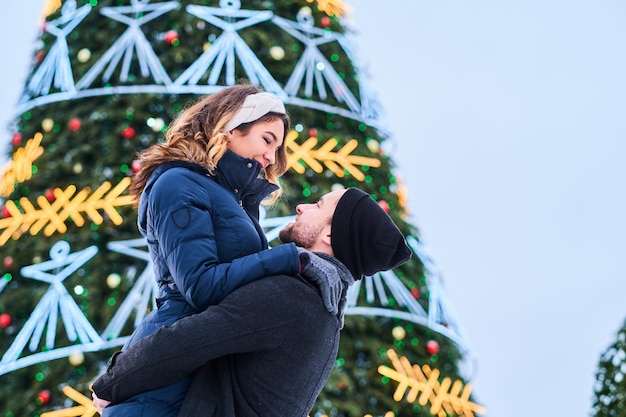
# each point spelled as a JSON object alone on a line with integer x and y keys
{"x": 286, "y": 288}
{"x": 288, "y": 300}
{"x": 283, "y": 282}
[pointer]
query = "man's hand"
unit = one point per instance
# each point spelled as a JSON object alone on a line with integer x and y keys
{"x": 98, "y": 403}
{"x": 325, "y": 275}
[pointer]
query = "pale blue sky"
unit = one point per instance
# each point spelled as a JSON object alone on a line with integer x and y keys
{"x": 509, "y": 122}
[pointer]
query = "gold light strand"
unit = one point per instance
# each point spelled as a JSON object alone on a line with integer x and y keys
{"x": 20, "y": 168}
{"x": 445, "y": 397}
{"x": 336, "y": 162}
{"x": 51, "y": 216}
{"x": 85, "y": 409}
{"x": 332, "y": 7}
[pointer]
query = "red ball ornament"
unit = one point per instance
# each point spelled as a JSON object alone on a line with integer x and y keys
{"x": 171, "y": 36}
{"x": 39, "y": 56}
{"x": 313, "y": 133}
{"x": 7, "y": 262}
{"x": 5, "y": 320}
{"x": 50, "y": 195}
{"x": 325, "y": 21}
{"x": 415, "y": 293}
{"x": 16, "y": 140}
{"x": 74, "y": 124}
{"x": 432, "y": 347}
{"x": 128, "y": 133}
{"x": 384, "y": 205}
{"x": 135, "y": 166}
{"x": 5, "y": 212}
{"x": 44, "y": 396}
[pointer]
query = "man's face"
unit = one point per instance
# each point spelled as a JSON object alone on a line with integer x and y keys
{"x": 312, "y": 221}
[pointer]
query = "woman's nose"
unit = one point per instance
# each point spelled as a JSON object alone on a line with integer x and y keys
{"x": 270, "y": 157}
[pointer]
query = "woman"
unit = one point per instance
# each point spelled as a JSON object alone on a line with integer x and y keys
{"x": 198, "y": 197}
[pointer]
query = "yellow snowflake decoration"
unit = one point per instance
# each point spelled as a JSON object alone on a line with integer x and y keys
{"x": 20, "y": 168}
{"x": 402, "y": 193}
{"x": 332, "y": 7}
{"x": 85, "y": 409}
{"x": 52, "y": 216}
{"x": 338, "y": 162}
{"x": 50, "y": 7}
{"x": 444, "y": 397}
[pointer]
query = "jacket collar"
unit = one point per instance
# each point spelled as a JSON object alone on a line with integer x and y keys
{"x": 238, "y": 175}
{"x": 241, "y": 177}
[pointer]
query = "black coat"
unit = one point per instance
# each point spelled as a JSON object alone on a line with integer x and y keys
{"x": 272, "y": 345}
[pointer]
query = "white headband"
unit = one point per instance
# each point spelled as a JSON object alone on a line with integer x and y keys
{"x": 254, "y": 107}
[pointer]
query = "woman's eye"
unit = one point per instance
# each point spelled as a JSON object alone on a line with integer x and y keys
{"x": 268, "y": 141}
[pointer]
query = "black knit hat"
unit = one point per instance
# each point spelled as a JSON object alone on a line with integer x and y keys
{"x": 363, "y": 236}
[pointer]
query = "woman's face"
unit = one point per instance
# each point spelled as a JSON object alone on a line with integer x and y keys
{"x": 260, "y": 143}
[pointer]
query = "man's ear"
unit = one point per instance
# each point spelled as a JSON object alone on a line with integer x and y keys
{"x": 325, "y": 236}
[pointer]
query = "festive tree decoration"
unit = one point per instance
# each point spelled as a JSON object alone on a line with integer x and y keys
{"x": 229, "y": 46}
{"x": 20, "y": 167}
{"x": 136, "y": 15}
{"x": 219, "y": 58}
{"x": 84, "y": 409}
{"x": 107, "y": 77}
{"x": 332, "y": 7}
{"x": 56, "y": 69}
{"x": 303, "y": 154}
{"x": 5, "y": 320}
{"x": 50, "y": 7}
{"x": 52, "y": 217}
{"x": 313, "y": 67}
{"x": 56, "y": 300}
{"x": 142, "y": 297}
{"x": 444, "y": 397}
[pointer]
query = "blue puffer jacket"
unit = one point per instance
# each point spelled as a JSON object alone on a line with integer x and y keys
{"x": 205, "y": 240}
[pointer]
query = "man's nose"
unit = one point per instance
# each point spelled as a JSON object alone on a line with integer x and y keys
{"x": 300, "y": 208}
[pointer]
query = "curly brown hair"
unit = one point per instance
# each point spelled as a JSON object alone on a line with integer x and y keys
{"x": 197, "y": 135}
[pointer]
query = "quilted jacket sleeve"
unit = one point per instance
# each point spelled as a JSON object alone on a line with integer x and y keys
{"x": 183, "y": 225}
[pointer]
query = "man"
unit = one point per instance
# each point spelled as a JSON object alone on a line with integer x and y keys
{"x": 268, "y": 348}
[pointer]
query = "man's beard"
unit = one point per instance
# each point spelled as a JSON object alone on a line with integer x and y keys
{"x": 302, "y": 235}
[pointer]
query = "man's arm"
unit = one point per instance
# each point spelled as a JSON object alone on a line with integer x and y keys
{"x": 249, "y": 319}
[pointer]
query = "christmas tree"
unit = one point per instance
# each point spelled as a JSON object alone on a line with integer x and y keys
{"x": 610, "y": 388}
{"x": 107, "y": 77}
